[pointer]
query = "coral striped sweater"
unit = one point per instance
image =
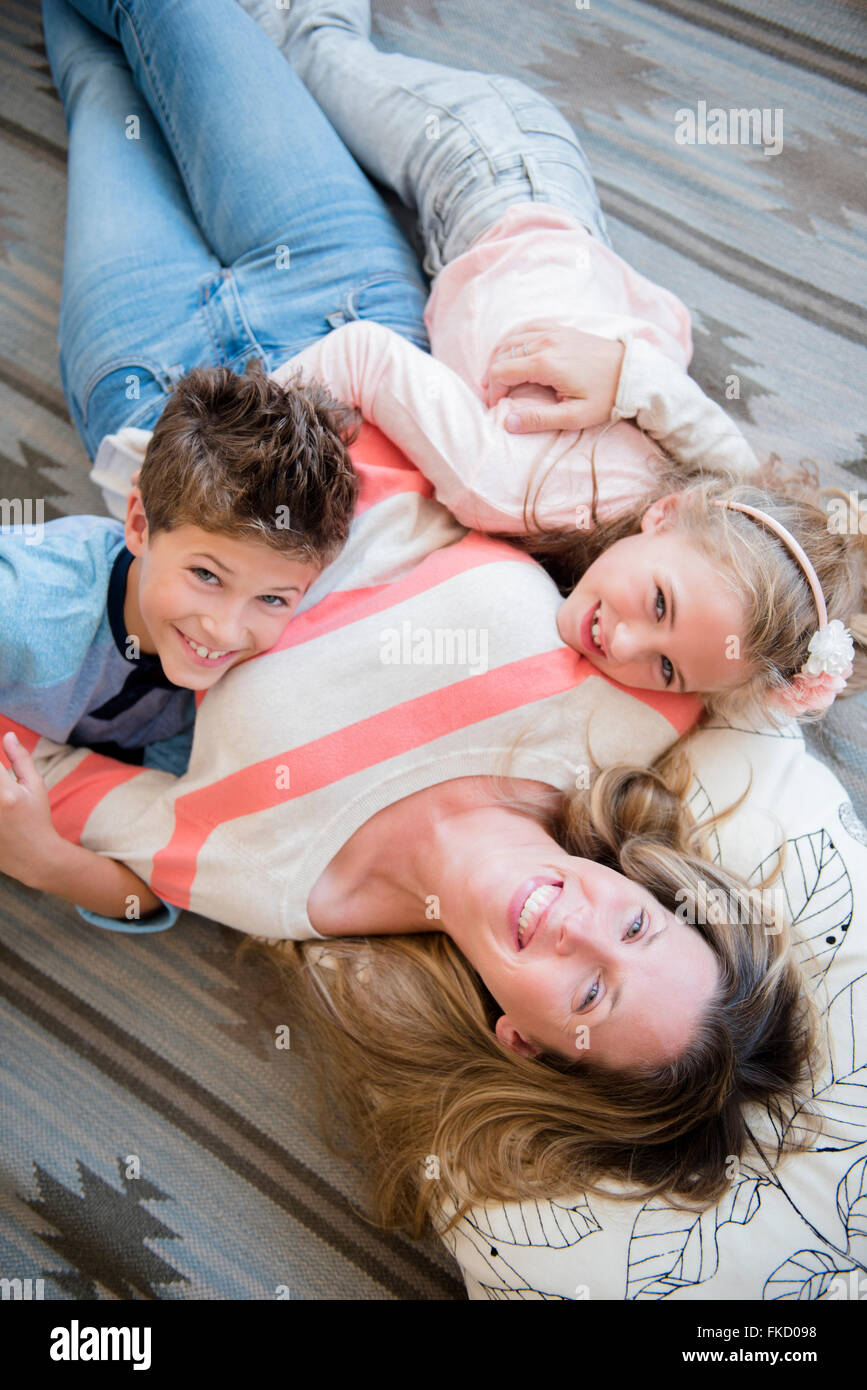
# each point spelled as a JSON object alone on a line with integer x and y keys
{"x": 423, "y": 653}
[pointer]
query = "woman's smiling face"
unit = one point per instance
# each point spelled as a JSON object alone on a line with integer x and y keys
{"x": 654, "y": 613}
{"x": 582, "y": 961}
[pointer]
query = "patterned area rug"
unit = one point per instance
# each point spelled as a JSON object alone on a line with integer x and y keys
{"x": 155, "y": 1142}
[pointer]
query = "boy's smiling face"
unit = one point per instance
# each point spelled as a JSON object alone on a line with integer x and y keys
{"x": 191, "y": 594}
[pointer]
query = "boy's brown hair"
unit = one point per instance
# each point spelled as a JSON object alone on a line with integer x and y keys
{"x": 245, "y": 457}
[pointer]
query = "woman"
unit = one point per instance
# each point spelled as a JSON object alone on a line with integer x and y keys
{"x": 322, "y": 800}
{"x": 407, "y": 1040}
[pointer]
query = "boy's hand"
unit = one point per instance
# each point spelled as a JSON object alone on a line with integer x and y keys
{"x": 583, "y": 369}
{"x": 27, "y": 835}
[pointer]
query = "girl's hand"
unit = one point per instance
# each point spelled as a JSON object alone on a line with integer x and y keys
{"x": 27, "y": 835}
{"x": 582, "y": 368}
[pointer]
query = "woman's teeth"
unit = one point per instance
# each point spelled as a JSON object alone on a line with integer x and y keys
{"x": 202, "y": 651}
{"x": 535, "y": 905}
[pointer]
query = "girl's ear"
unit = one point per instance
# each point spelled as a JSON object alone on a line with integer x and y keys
{"x": 660, "y": 513}
{"x": 510, "y": 1037}
{"x": 136, "y": 526}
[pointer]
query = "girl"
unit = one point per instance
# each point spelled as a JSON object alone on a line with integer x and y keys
{"x": 688, "y": 569}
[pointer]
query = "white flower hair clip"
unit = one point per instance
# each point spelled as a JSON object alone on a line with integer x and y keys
{"x": 831, "y": 649}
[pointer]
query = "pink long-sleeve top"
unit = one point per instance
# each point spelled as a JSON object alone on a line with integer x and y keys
{"x": 536, "y": 267}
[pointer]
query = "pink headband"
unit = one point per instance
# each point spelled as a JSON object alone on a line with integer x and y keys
{"x": 831, "y": 649}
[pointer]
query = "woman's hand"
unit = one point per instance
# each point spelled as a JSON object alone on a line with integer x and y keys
{"x": 27, "y": 835}
{"x": 582, "y": 368}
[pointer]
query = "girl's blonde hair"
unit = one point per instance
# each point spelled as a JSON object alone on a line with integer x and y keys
{"x": 402, "y": 1030}
{"x": 754, "y": 563}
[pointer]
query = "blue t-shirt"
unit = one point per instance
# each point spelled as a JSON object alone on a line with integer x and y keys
{"x": 68, "y": 668}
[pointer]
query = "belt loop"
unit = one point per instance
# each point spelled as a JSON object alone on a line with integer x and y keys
{"x": 534, "y": 177}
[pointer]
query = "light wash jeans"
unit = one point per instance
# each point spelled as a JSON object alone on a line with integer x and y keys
{"x": 459, "y": 146}
{"x": 213, "y": 213}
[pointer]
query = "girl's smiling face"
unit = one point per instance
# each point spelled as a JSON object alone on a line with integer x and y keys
{"x": 654, "y": 613}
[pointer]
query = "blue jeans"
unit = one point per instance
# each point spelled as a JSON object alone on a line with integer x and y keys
{"x": 213, "y": 213}
{"x": 459, "y": 146}
{"x": 216, "y": 214}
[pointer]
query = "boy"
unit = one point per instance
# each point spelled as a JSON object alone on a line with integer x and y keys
{"x": 245, "y": 494}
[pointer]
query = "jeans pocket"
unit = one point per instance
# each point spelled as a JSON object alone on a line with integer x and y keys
{"x": 465, "y": 167}
{"x": 534, "y": 114}
{"x": 123, "y": 394}
{"x": 396, "y": 300}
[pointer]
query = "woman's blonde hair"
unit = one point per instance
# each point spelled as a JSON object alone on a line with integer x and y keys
{"x": 753, "y": 562}
{"x": 402, "y": 1029}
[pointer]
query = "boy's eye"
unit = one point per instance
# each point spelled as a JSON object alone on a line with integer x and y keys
{"x": 660, "y": 605}
{"x": 270, "y": 600}
{"x": 667, "y": 670}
